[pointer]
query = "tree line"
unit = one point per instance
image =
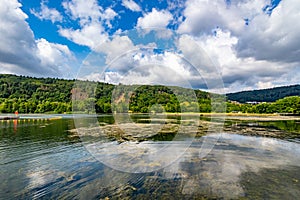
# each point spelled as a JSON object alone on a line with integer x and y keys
{"x": 265, "y": 95}
{"x": 285, "y": 105}
{"x": 46, "y": 95}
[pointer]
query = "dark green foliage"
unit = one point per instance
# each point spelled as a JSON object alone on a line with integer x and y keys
{"x": 147, "y": 98}
{"x": 285, "y": 105}
{"x": 142, "y": 101}
{"x": 266, "y": 95}
{"x": 34, "y": 95}
{"x": 40, "y": 95}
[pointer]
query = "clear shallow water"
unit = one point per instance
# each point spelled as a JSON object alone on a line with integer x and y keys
{"x": 41, "y": 159}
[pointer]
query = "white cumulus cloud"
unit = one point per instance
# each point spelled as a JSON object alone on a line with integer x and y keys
{"x": 155, "y": 19}
{"x": 116, "y": 47}
{"x": 90, "y": 35}
{"x": 47, "y": 13}
{"x": 21, "y": 53}
{"x": 241, "y": 73}
{"x": 131, "y": 5}
{"x": 252, "y": 48}
{"x": 55, "y": 55}
{"x": 92, "y": 20}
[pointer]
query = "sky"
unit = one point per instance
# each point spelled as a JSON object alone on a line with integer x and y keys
{"x": 207, "y": 44}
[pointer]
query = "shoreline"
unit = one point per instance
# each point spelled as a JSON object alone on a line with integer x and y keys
{"x": 224, "y": 116}
{"x": 9, "y": 117}
{"x": 238, "y": 116}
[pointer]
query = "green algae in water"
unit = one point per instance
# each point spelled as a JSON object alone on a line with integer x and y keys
{"x": 272, "y": 183}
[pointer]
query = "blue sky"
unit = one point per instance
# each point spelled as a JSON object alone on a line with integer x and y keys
{"x": 252, "y": 43}
{"x": 126, "y": 20}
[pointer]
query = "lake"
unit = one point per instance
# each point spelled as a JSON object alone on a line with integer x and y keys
{"x": 43, "y": 157}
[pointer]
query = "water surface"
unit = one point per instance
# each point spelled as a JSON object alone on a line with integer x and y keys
{"x": 42, "y": 159}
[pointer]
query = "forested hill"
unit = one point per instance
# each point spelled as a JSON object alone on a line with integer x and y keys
{"x": 52, "y": 95}
{"x": 40, "y": 95}
{"x": 34, "y": 95}
{"x": 265, "y": 95}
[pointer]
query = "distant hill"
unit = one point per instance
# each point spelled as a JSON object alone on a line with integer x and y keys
{"x": 53, "y": 95}
{"x": 265, "y": 95}
{"x": 40, "y": 95}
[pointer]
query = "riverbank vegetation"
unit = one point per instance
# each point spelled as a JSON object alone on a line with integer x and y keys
{"x": 42, "y": 95}
{"x": 287, "y": 105}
